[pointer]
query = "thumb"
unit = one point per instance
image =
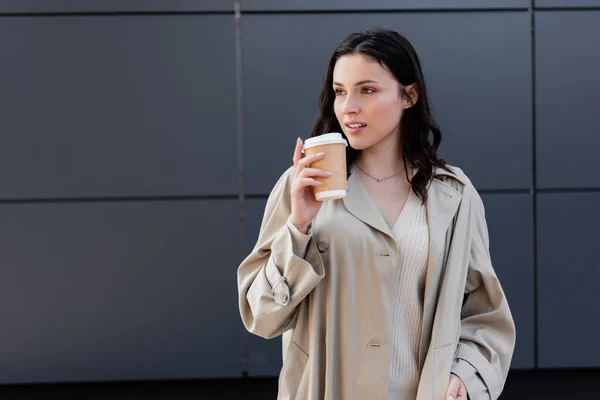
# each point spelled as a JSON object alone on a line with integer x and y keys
{"x": 453, "y": 388}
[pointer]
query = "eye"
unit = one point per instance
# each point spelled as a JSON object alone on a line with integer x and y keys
{"x": 368, "y": 90}
{"x": 338, "y": 92}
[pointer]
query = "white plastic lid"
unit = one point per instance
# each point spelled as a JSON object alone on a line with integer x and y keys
{"x": 330, "y": 195}
{"x": 327, "y": 138}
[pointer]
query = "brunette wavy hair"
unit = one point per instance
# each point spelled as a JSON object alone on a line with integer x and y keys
{"x": 420, "y": 134}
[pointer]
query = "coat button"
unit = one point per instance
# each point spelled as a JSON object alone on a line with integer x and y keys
{"x": 323, "y": 247}
{"x": 284, "y": 299}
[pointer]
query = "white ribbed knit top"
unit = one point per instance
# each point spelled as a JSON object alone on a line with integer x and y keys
{"x": 412, "y": 237}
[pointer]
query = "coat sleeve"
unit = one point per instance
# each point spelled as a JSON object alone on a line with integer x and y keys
{"x": 280, "y": 272}
{"x": 487, "y": 337}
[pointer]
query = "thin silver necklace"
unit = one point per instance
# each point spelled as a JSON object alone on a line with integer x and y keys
{"x": 378, "y": 179}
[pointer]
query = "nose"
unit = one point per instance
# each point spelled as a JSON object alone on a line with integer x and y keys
{"x": 351, "y": 105}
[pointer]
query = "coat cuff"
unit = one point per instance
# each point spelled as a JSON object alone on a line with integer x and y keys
{"x": 476, "y": 389}
{"x": 289, "y": 275}
{"x": 299, "y": 240}
{"x": 476, "y": 369}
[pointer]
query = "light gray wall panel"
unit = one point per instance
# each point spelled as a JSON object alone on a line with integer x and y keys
{"x": 119, "y": 291}
{"x": 510, "y": 225}
{"x": 68, "y": 6}
{"x": 468, "y": 58}
{"x": 293, "y": 5}
{"x": 568, "y": 275}
{"x": 117, "y": 106}
{"x": 567, "y": 98}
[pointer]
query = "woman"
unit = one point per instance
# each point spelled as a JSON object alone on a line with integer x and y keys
{"x": 388, "y": 293}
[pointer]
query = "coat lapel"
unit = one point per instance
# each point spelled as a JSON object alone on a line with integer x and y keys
{"x": 359, "y": 203}
{"x": 442, "y": 204}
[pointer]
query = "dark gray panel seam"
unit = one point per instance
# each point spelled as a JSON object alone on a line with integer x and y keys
{"x": 240, "y": 142}
{"x": 118, "y": 199}
{"x": 264, "y": 196}
{"x": 534, "y": 187}
{"x": 388, "y": 10}
{"x": 480, "y": 191}
{"x": 582, "y": 8}
{"x": 569, "y": 190}
{"x": 110, "y": 13}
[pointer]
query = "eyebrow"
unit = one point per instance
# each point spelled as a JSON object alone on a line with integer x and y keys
{"x": 358, "y": 83}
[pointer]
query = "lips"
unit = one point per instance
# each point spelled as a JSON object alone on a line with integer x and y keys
{"x": 354, "y": 127}
{"x": 355, "y": 124}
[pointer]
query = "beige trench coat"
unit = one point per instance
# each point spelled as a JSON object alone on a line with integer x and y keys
{"x": 333, "y": 307}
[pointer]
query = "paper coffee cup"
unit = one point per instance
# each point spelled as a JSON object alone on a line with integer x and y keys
{"x": 334, "y": 147}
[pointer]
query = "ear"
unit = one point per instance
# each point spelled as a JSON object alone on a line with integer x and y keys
{"x": 413, "y": 96}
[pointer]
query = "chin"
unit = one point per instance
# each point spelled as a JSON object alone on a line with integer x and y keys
{"x": 358, "y": 144}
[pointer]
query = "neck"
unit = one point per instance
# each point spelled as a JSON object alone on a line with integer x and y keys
{"x": 383, "y": 159}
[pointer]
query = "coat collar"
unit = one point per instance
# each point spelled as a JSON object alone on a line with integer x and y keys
{"x": 442, "y": 202}
{"x": 360, "y": 204}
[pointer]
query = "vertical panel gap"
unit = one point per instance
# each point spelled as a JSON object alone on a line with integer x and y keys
{"x": 240, "y": 143}
{"x": 534, "y": 187}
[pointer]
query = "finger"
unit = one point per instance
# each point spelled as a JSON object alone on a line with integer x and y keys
{"x": 310, "y": 159}
{"x": 297, "y": 151}
{"x": 452, "y": 392}
{"x": 462, "y": 392}
{"x": 304, "y": 182}
{"x": 457, "y": 384}
{"x": 311, "y": 172}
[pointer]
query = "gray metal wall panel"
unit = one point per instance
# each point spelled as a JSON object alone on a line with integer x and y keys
{"x": 567, "y": 3}
{"x": 264, "y": 356}
{"x": 293, "y": 5}
{"x": 118, "y": 106}
{"x": 568, "y": 94}
{"x": 119, "y": 291}
{"x": 510, "y": 225}
{"x": 468, "y": 59}
{"x": 568, "y": 275}
{"x": 76, "y": 6}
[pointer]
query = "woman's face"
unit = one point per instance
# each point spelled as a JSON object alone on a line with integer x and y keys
{"x": 368, "y": 102}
